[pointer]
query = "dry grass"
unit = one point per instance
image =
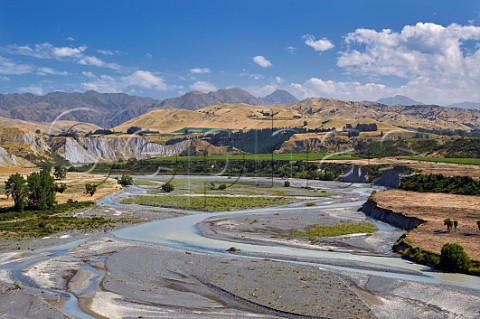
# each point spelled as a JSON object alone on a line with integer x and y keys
{"x": 434, "y": 208}
{"x": 75, "y": 185}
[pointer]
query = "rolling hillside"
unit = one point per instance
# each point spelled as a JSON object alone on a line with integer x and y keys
{"x": 323, "y": 113}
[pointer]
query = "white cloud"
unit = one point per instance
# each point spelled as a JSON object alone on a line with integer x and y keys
{"x": 316, "y": 87}
{"x": 203, "y": 86}
{"x": 92, "y": 60}
{"x": 278, "y": 79}
{"x": 318, "y": 45}
{"x": 263, "y": 90}
{"x": 105, "y": 52}
{"x": 4, "y": 79}
{"x": 140, "y": 79}
{"x": 200, "y": 70}
{"x": 8, "y": 66}
{"x": 291, "y": 50}
{"x": 70, "y": 39}
{"x": 254, "y": 76}
{"x": 88, "y": 74}
{"x": 50, "y": 71}
{"x": 48, "y": 51}
{"x": 262, "y": 61}
{"x": 438, "y": 64}
{"x": 34, "y": 89}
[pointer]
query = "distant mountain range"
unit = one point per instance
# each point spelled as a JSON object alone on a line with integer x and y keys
{"x": 111, "y": 109}
{"x": 399, "y": 100}
{"x": 466, "y": 105}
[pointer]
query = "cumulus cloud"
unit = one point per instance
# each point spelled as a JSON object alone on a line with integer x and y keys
{"x": 34, "y": 89}
{"x": 318, "y": 45}
{"x": 254, "y": 76}
{"x": 440, "y": 64}
{"x": 141, "y": 79}
{"x": 8, "y": 66}
{"x": 316, "y": 87}
{"x": 262, "y": 61}
{"x": 200, "y": 70}
{"x": 105, "y": 52}
{"x": 50, "y": 71}
{"x": 203, "y": 86}
{"x": 49, "y": 51}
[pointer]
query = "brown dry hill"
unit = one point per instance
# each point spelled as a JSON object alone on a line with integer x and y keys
{"x": 325, "y": 113}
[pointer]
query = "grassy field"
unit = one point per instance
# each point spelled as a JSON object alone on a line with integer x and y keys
{"x": 241, "y": 187}
{"x": 209, "y": 203}
{"x": 337, "y": 230}
{"x": 453, "y": 160}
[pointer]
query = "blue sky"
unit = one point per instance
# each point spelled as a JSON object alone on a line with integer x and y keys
{"x": 352, "y": 50}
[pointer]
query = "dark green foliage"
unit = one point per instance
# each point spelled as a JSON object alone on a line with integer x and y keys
{"x": 133, "y": 129}
{"x": 436, "y": 183}
{"x": 286, "y": 184}
{"x": 125, "y": 180}
{"x": 42, "y": 190}
{"x": 103, "y": 132}
{"x": 222, "y": 187}
{"x": 252, "y": 141}
{"x": 60, "y": 187}
{"x": 454, "y": 258}
{"x": 60, "y": 172}
{"x": 168, "y": 187}
{"x": 455, "y": 224}
{"x": 448, "y": 222}
{"x": 17, "y": 187}
{"x": 366, "y": 127}
{"x": 90, "y": 189}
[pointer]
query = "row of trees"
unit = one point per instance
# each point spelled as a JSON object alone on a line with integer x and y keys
{"x": 38, "y": 190}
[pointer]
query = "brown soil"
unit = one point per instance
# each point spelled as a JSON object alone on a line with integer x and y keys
{"x": 434, "y": 208}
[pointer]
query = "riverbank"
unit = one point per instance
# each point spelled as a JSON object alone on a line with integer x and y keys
{"x": 423, "y": 215}
{"x": 141, "y": 280}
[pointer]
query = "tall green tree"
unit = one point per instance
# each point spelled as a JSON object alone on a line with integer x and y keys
{"x": 60, "y": 172}
{"x": 17, "y": 187}
{"x": 42, "y": 190}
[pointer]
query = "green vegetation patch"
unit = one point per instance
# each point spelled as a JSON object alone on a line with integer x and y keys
{"x": 337, "y": 230}
{"x": 37, "y": 223}
{"x": 453, "y": 160}
{"x": 437, "y": 183}
{"x": 209, "y": 203}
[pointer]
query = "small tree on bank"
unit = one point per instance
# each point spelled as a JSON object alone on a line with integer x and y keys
{"x": 90, "y": 189}
{"x": 125, "y": 180}
{"x": 454, "y": 258}
{"x": 17, "y": 187}
{"x": 60, "y": 172}
{"x": 42, "y": 190}
{"x": 168, "y": 187}
{"x": 448, "y": 222}
{"x": 478, "y": 224}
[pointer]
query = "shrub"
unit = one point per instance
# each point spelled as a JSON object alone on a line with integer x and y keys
{"x": 126, "y": 180}
{"x": 454, "y": 258}
{"x": 90, "y": 189}
{"x": 286, "y": 184}
{"x": 168, "y": 187}
{"x": 222, "y": 187}
{"x": 60, "y": 187}
{"x": 310, "y": 204}
{"x": 448, "y": 222}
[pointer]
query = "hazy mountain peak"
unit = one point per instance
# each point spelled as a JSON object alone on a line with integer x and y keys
{"x": 399, "y": 100}
{"x": 279, "y": 97}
